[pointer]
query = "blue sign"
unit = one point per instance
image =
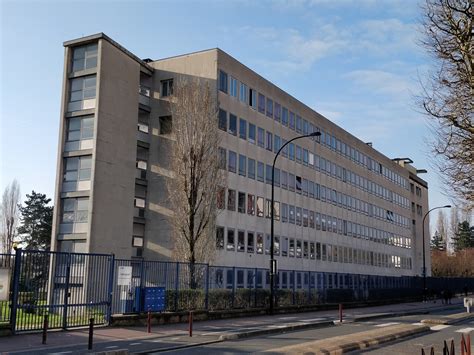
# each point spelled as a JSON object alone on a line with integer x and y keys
{"x": 154, "y": 299}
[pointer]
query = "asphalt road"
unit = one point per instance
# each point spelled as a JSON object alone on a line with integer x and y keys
{"x": 410, "y": 345}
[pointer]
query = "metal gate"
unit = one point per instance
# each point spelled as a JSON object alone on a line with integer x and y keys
{"x": 70, "y": 288}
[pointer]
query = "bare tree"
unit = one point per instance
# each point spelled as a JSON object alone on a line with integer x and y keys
{"x": 442, "y": 228}
{"x": 9, "y": 210}
{"x": 453, "y": 224}
{"x": 448, "y": 94}
{"x": 197, "y": 177}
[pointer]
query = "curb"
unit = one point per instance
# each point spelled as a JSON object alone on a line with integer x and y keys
{"x": 290, "y": 328}
{"x": 179, "y": 347}
{"x": 449, "y": 320}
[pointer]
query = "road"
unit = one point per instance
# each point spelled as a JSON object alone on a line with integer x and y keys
{"x": 411, "y": 345}
{"x": 163, "y": 337}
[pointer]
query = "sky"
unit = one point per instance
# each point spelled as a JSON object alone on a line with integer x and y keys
{"x": 357, "y": 62}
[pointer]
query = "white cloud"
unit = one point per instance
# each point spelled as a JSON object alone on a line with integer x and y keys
{"x": 380, "y": 81}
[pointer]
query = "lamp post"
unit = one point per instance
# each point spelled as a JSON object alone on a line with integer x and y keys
{"x": 272, "y": 211}
{"x": 424, "y": 256}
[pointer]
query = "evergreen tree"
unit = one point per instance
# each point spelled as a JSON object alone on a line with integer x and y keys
{"x": 437, "y": 242}
{"x": 464, "y": 237}
{"x": 36, "y": 220}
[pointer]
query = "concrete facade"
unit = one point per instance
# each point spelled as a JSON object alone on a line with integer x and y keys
{"x": 375, "y": 204}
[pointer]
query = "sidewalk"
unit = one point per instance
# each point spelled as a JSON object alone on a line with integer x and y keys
{"x": 176, "y": 335}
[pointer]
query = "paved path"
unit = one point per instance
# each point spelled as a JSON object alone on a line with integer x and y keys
{"x": 175, "y": 335}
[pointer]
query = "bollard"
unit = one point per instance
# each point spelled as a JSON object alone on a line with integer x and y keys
{"x": 340, "y": 312}
{"x": 91, "y": 333}
{"x": 190, "y": 323}
{"x": 466, "y": 344}
{"x": 149, "y": 322}
{"x": 45, "y": 328}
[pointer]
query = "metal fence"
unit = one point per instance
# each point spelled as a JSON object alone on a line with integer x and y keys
{"x": 73, "y": 287}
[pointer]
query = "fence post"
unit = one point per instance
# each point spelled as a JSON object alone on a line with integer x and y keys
{"x": 176, "y": 288}
{"x": 110, "y": 288}
{"x": 233, "y": 286}
{"x": 66, "y": 290}
{"x": 16, "y": 282}
{"x": 207, "y": 288}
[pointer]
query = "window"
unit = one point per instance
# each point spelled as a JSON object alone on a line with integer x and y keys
{"x": 221, "y": 198}
{"x": 284, "y": 116}
{"x": 261, "y": 137}
{"x": 251, "y": 204}
{"x": 243, "y": 128}
{"x": 241, "y": 241}
{"x": 241, "y": 202}
{"x": 220, "y": 237}
{"x": 299, "y": 127}
{"x": 277, "y": 113}
{"x": 269, "y": 145}
{"x": 252, "y": 98}
{"x": 250, "y": 242}
{"x": 260, "y": 210}
{"x": 276, "y": 143}
{"x": 291, "y": 182}
{"x": 269, "y": 110}
{"x": 166, "y": 124}
{"x": 251, "y": 168}
{"x": 75, "y": 210}
{"x": 284, "y": 247}
{"x": 232, "y": 124}
{"x": 305, "y": 250}
{"x": 298, "y": 184}
{"x": 80, "y": 131}
{"x": 276, "y": 210}
{"x": 298, "y": 249}
{"x": 222, "y": 158}
{"x": 268, "y": 208}
{"x": 233, "y": 87}
{"x": 82, "y": 93}
{"x": 298, "y": 153}
{"x": 232, "y": 161}
{"x": 292, "y": 120}
{"x": 261, "y": 103}
{"x": 243, "y": 93}
{"x": 284, "y": 179}
{"x": 311, "y": 219}
{"x": 291, "y": 151}
{"x": 298, "y": 216}
{"x": 260, "y": 171}
{"x": 242, "y": 165}
{"x": 252, "y": 133}
{"x": 222, "y": 120}
{"x": 230, "y": 239}
{"x": 291, "y": 252}
{"x": 231, "y": 200}
{"x": 84, "y": 57}
{"x": 268, "y": 174}
{"x": 223, "y": 81}
{"x": 166, "y": 87}
{"x": 259, "y": 243}
{"x": 284, "y": 213}
{"x": 291, "y": 214}
{"x": 77, "y": 173}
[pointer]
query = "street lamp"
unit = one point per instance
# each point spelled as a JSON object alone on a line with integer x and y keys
{"x": 272, "y": 211}
{"x": 424, "y": 256}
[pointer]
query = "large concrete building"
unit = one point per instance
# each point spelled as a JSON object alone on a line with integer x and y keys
{"x": 342, "y": 206}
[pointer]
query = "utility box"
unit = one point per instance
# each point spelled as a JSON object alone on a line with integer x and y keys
{"x": 468, "y": 302}
{"x": 154, "y": 299}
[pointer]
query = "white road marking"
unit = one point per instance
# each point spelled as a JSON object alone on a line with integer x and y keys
{"x": 387, "y": 324}
{"x": 287, "y": 318}
{"x": 111, "y": 347}
{"x": 465, "y": 330}
{"x": 276, "y": 326}
{"x": 133, "y": 344}
{"x": 311, "y": 320}
{"x": 213, "y": 333}
{"x": 440, "y": 327}
{"x": 156, "y": 340}
{"x": 174, "y": 338}
{"x": 418, "y": 323}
